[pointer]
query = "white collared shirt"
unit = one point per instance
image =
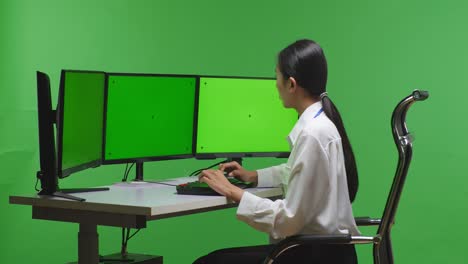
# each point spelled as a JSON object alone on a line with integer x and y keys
{"x": 314, "y": 181}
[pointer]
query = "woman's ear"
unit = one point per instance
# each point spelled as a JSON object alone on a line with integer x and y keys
{"x": 292, "y": 85}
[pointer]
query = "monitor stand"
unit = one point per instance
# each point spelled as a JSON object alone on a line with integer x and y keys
{"x": 139, "y": 171}
{"x": 53, "y": 190}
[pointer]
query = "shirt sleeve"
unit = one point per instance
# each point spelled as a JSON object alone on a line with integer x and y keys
{"x": 308, "y": 186}
{"x": 272, "y": 176}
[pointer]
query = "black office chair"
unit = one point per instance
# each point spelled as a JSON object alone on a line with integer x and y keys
{"x": 382, "y": 241}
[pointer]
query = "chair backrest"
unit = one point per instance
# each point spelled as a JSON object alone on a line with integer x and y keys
{"x": 403, "y": 141}
{"x": 381, "y": 241}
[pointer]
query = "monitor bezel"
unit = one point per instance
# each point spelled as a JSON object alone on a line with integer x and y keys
{"x": 148, "y": 158}
{"x": 63, "y": 173}
{"x": 235, "y": 155}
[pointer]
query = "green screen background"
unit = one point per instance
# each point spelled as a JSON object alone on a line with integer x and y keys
{"x": 377, "y": 52}
{"x": 82, "y": 118}
{"x": 149, "y": 116}
{"x": 242, "y": 115}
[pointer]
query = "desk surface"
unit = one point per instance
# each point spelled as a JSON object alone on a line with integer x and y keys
{"x": 148, "y": 199}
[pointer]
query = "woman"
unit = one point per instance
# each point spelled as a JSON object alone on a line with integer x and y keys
{"x": 320, "y": 177}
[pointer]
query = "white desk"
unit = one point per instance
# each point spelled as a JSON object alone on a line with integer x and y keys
{"x": 128, "y": 205}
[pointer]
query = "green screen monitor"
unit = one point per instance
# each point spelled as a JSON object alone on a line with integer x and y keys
{"x": 149, "y": 117}
{"x": 242, "y": 117}
{"x": 80, "y": 120}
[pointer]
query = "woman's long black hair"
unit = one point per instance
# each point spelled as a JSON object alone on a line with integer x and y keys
{"x": 305, "y": 61}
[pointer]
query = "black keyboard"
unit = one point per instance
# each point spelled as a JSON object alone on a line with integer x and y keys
{"x": 201, "y": 188}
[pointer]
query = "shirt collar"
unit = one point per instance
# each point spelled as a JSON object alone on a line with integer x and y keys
{"x": 305, "y": 118}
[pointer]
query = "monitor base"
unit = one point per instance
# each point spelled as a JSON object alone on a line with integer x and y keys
{"x": 64, "y": 193}
{"x": 129, "y": 259}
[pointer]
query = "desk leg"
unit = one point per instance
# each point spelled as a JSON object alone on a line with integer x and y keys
{"x": 88, "y": 244}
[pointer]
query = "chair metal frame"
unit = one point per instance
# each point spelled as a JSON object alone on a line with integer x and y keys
{"x": 382, "y": 247}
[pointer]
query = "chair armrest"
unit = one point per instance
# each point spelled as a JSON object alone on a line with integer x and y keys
{"x": 315, "y": 239}
{"x": 367, "y": 221}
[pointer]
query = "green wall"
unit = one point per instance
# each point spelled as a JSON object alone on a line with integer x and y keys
{"x": 378, "y": 51}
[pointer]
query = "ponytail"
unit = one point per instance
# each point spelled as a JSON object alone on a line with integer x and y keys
{"x": 350, "y": 162}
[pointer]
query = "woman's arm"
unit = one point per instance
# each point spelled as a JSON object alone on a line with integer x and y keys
{"x": 306, "y": 194}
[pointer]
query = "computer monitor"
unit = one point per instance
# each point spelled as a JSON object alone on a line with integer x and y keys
{"x": 80, "y": 121}
{"x": 149, "y": 117}
{"x": 46, "y": 120}
{"x": 241, "y": 117}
